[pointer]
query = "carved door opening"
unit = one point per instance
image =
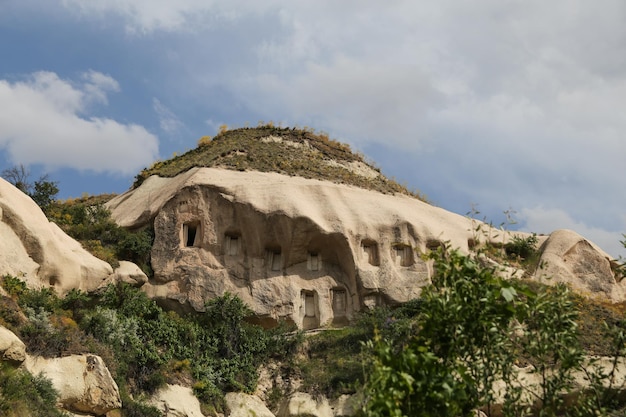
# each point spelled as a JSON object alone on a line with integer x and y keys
{"x": 339, "y": 302}
{"x": 310, "y": 319}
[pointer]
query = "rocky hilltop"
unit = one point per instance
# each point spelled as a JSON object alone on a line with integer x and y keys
{"x": 305, "y": 248}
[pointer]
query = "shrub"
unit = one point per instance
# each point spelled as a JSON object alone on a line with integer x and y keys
{"x": 22, "y": 394}
{"x": 467, "y": 341}
{"x": 522, "y": 247}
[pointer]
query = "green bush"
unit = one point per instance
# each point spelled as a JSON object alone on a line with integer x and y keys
{"x": 22, "y": 394}
{"x": 522, "y": 247}
{"x": 468, "y": 337}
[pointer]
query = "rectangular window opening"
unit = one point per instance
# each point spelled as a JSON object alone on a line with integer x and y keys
{"x": 190, "y": 233}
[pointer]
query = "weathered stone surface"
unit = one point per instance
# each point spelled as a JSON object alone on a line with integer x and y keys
{"x": 569, "y": 258}
{"x": 176, "y": 401}
{"x": 84, "y": 383}
{"x": 245, "y": 405}
{"x": 300, "y": 403}
{"x": 345, "y": 405}
{"x": 38, "y": 251}
{"x": 308, "y": 251}
{"x": 129, "y": 273}
{"x": 11, "y": 347}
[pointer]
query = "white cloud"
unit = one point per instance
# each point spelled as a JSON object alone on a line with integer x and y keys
{"x": 43, "y": 122}
{"x": 168, "y": 121}
{"x": 542, "y": 220}
{"x": 146, "y": 16}
{"x": 513, "y": 103}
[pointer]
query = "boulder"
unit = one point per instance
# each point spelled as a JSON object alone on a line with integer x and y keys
{"x": 303, "y": 404}
{"x": 569, "y": 258}
{"x": 176, "y": 401}
{"x": 84, "y": 383}
{"x": 129, "y": 273}
{"x": 12, "y": 349}
{"x": 38, "y": 251}
{"x": 245, "y": 405}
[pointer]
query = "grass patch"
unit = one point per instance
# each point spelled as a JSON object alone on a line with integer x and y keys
{"x": 291, "y": 152}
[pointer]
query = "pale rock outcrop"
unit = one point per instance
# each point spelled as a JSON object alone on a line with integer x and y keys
{"x": 300, "y": 403}
{"x": 84, "y": 383}
{"x": 12, "y": 349}
{"x": 568, "y": 257}
{"x": 245, "y": 405}
{"x": 308, "y": 251}
{"x": 346, "y": 405}
{"x": 129, "y": 273}
{"x": 176, "y": 401}
{"x": 38, "y": 251}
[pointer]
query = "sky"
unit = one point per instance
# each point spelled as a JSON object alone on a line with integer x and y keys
{"x": 482, "y": 105}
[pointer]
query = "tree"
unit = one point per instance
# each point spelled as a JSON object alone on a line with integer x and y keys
{"x": 472, "y": 328}
{"x": 42, "y": 191}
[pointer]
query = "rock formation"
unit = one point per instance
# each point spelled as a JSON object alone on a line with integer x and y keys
{"x": 244, "y": 405}
{"x": 176, "y": 401}
{"x": 309, "y": 251}
{"x": 38, "y": 251}
{"x": 84, "y": 383}
{"x": 12, "y": 349}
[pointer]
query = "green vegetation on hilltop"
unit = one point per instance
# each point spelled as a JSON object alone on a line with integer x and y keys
{"x": 297, "y": 152}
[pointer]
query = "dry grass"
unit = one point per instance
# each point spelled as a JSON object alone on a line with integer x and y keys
{"x": 296, "y": 152}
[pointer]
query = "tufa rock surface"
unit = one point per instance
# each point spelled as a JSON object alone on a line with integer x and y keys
{"x": 309, "y": 251}
{"x": 12, "y": 349}
{"x": 245, "y": 405}
{"x": 84, "y": 383}
{"x": 176, "y": 401}
{"x": 39, "y": 252}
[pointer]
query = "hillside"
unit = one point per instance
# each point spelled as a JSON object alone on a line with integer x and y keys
{"x": 288, "y": 151}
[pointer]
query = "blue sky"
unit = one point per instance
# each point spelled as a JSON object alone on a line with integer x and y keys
{"x": 505, "y": 104}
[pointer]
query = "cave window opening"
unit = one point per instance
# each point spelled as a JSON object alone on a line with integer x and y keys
{"x": 404, "y": 255}
{"x": 274, "y": 259}
{"x": 233, "y": 243}
{"x": 314, "y": 261}
{"x": 371, "y": 251}
{"x": 190, "y": 234}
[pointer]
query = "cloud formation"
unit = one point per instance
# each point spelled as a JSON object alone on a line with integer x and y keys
{"x": 46, "y": 120}
{"x": 510, "y": 103}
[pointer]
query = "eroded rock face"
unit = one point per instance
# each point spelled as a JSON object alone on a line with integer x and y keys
{"x": 12, "y": 349}
{"x": 308, "y": 251}
{"x": 84, "y": 383}
{"x": 38, "y": 251}
{"x": 569, "y": 258}
{"x": 128, "y": 273}
{"x": 245, "y": 405}
{"x": 300, "y": 403}
{"x": 176, "y": 401}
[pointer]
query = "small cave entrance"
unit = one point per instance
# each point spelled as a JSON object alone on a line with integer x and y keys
{"x": 370, "y": 248}
{"x": 310, "y": 315}
{"x": 191, "y": 234}
{"x": 403, "y": 254}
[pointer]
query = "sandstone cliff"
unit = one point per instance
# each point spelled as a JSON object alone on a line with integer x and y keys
{"x": 310, "y": 251}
